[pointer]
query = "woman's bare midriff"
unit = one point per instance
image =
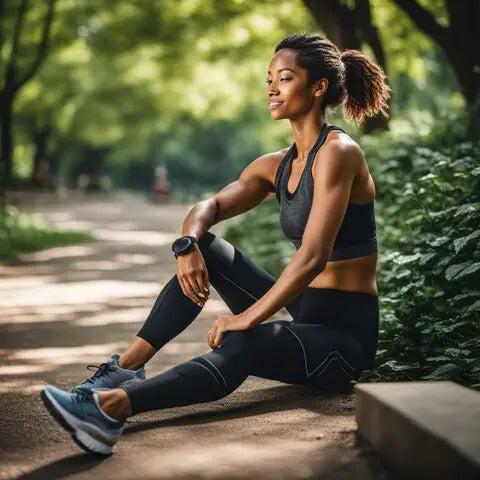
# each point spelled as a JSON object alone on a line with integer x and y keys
{"x": 353, "y": 275}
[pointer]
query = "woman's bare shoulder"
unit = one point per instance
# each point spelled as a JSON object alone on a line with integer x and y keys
{"x": 268, "y": 163}
{"x": 274, "y": 157}
{"x": 337, "y": 136}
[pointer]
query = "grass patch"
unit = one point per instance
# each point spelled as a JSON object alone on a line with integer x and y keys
{"x": 21, "y": 233}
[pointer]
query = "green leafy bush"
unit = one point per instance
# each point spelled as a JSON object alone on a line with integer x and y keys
{"x": 429, "y": 267}
{"x": 20, "y": 232}
{"x": 258, "y": 234}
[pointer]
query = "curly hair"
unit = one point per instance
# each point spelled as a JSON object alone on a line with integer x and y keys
{"x": 353, "y": 79}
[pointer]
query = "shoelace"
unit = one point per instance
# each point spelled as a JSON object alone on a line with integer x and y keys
{"x": 81, "y": 394}
{"x": 102, "y": 369}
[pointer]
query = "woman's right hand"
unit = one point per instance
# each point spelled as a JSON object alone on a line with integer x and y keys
{"x": 192, "y": 275}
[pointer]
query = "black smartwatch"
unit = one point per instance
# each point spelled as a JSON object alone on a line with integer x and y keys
{"x": 183, "y": 245}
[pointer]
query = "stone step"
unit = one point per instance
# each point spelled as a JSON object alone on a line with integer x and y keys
{"x": 424, "y": 429}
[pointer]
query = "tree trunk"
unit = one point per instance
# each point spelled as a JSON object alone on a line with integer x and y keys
{"x": 347, "y": 28}
{"x": 40, "y": 138}
{"x": 461, "y": 45}
{"x": 6, "y": 120}
{"x": 13, "y": 80}
{"x": 459, "y": 40}
{"x": 464, "y": 54}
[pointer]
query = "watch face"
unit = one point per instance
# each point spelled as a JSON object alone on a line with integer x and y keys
{"x": 183, "y": 243}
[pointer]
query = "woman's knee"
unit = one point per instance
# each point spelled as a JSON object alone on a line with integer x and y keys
{"x": 238, "y": 336}
{"x": 240, "y": 341}
{"x": 205, "y": 240}
{"x": 216, "y": 251}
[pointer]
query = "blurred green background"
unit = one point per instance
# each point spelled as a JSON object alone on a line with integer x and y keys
{"x": 115, "y": 89}
{"x": 119, "y": 87}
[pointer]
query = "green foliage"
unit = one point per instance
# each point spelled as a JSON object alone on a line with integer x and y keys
{"x": 428, "y": 224}
{"x": 132, "y": 80}
{"x": 201, "y": 156}
{"x": 120, "y": 76}
{"x": 258, "y": 234}
{"x": 20, "y": 232}
{"x": 429, "y": 266}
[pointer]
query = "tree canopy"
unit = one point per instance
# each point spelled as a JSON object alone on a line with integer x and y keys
{"x": 128, "y": 85}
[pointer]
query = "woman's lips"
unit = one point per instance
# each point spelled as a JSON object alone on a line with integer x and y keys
{"x": 273, "y": 105}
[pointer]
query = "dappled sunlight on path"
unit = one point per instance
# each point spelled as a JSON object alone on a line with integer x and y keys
{"x": 51, "y": 293}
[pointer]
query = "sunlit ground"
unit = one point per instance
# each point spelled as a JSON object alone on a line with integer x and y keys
{"x": 48, "y": 293}
{"x": 67, "y": 307}
{"x": 66, "y": 313}
{"x": 70, "y": 295}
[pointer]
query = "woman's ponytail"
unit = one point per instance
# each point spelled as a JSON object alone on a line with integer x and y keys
{"x": 354, "y": 80}
{"x": 366, "y": 90}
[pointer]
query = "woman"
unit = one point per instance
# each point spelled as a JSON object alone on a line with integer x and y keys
{"x": 326, "y": 197}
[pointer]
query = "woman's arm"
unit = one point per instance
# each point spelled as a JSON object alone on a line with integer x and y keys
{"x": 248, "y": 191}
{"x": 251, "y": 188}
{"x": 333, "y": 179}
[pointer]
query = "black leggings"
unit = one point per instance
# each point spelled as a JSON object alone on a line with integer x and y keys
{"x": 331, "y": 340}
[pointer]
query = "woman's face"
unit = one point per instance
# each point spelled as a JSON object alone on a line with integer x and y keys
{"x": 287, "y": 90}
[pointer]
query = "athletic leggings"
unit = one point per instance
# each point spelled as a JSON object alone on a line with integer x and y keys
{"x": 331, "y": 340}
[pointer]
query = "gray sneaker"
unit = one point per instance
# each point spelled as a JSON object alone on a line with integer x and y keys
{"x": 79, "y": 412}
{"x": 110, "y": 375}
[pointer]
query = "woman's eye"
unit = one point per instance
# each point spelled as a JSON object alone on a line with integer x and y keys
{"x": 286, "y": 78}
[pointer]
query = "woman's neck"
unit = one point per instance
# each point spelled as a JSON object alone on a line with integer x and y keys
{"x": 305, "y": 132}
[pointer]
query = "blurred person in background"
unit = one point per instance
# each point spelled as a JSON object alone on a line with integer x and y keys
{"x": 161, "y": 186}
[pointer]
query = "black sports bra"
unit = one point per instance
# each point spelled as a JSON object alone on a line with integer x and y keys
{"x": 357, "y": 235}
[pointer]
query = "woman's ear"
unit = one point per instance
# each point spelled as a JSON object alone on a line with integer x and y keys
{"x": 320, "y": 87}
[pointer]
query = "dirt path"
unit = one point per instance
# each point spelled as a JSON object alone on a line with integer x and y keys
{"x": 65, "y": 308}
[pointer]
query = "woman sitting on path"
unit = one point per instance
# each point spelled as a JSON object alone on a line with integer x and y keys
{"x": 326, "y": 196}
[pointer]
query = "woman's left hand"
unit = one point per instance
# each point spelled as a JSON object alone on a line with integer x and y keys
{"x": 225, "y": 323}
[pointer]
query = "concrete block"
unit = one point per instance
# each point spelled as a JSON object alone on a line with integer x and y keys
{"x": 424, "y": 429}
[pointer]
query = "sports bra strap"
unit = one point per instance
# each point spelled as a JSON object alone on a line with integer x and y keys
{"x": 292, "y": 151}
{"x": 320, "y": 141}
{"x": 280, "y": 169}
